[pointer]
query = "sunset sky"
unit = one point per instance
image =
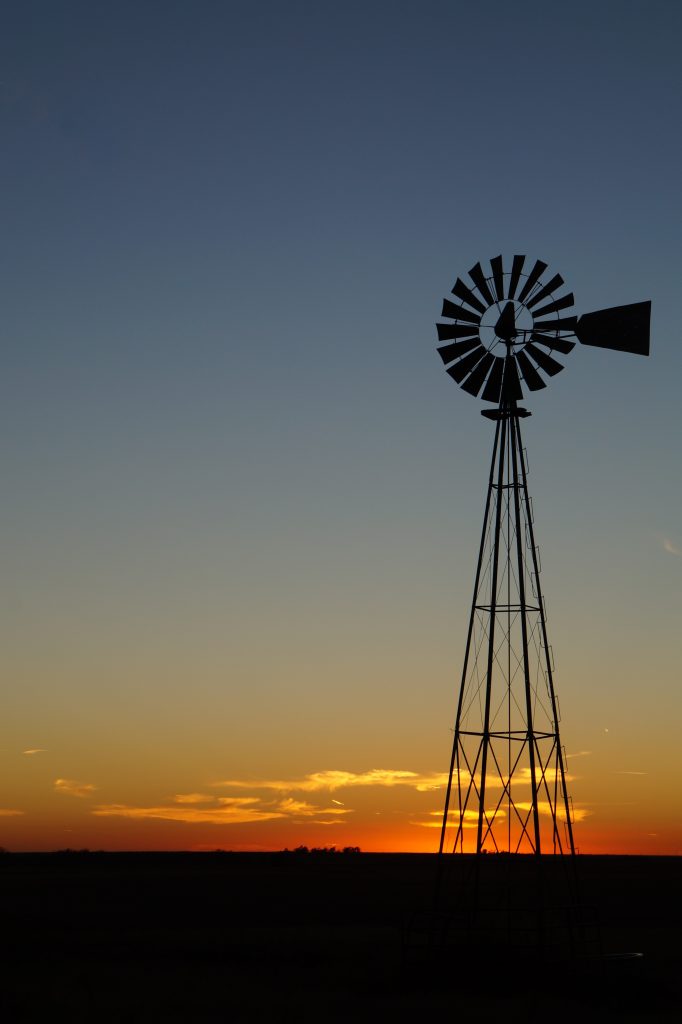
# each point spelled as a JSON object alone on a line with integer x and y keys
{"x": 241, "y": 500}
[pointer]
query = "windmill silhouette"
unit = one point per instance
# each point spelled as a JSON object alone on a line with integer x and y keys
{"x": 507, "y": 788}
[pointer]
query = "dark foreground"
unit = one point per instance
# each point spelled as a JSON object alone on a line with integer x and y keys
{"x": 275, "y": 937}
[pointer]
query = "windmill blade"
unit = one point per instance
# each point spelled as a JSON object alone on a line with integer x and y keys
{"x": 459, "y": 313}
{"x": 566, "y": 323}
{"x": 498, "y": 276}
{"x": 532, "y": 279}
{"x": 556, "y": 343}
{"x": 544, "y": 361}
{"x": 493, "y": 387}
{"x": 447, "y": 332}
{"x": 451, "y": 352}
{"x": 474, "y": 382}
{"x": 530, "y": 374}
{"x": 551, "y": 286}
{"x": 517, "y": 267}
{"x": 478, "y": 277}
{"x": 464, "y": 367}
{"x": 511, "y": 385}
{"x": 622, "y": 328}
{"x": 553, "y": 307}
{"x": 466, "y": 295}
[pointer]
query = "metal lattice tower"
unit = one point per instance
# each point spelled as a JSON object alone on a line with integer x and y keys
{"x": 507, "y": 784}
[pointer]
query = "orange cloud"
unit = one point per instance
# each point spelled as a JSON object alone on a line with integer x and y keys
{"x": 230, "y": 814}
{"x": 336, "y": 779}
{"x": 291, "y": 806}
{"x": 578, "y": 813}
{"x": 6, "y": 812}
{"x": 72, "y": 788}
{"x": 470, "y": 818}
{"x": 224, "y": 810}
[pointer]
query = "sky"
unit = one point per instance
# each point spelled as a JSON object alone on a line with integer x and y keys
{"x": 241, "y": 499}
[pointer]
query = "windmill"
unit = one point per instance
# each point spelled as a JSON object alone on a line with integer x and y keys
{"x": 507, "y": 788}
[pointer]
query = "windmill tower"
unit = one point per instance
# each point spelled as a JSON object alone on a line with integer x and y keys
{"x": 507, "y": 789}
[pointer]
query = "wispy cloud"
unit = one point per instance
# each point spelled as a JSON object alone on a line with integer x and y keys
{"x": 225, "y": 810}
{"x": 435, "y": 819}
{"x": 7, "y": 812}
{"x": 234, "y": 801}
{"x": 300, "y": 807}
{"x": 629, "y": 773}
{"x": 336, "y": 779}
{"x": 669, "y": 545}
{"x": 580, "y": 753}
{"x": 192, "y": 798}
{"x": 73, "y": 788}
{"x": 544, "y": 808}
{"x": 224, "y": 814}
{"x": 35, "y": 750}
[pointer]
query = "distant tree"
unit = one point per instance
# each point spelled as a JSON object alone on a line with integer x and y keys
{"x": 351, "y": 849}
{"x": 301, "y": 849}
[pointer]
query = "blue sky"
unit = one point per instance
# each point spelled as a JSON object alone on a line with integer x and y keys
{"x": 241, "y": 499}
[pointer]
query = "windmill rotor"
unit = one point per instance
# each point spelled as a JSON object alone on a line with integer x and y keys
{"x": 508, "y": 327}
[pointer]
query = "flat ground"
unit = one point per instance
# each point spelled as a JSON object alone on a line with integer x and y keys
{"x": 276, "y": 937}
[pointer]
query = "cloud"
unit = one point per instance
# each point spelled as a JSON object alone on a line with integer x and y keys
{"x": 333, "y": 780}
{"x": 629, "y": 773}
{"x": 470, "y": 819}
{"x": 471, "y": 816}
{"x": 224, "y": 810}
{"x": 291, "y": 806}
{"x": 580, "y": 753}
{"x": 225, "y": 814}
{"x": 236, "y": 801}
{"x": 35, "y": 750}
{"x": 6, "y": 812}
{"x": 671, "y": 547}
{"x": 192, "y": 798}
{"x": 544, "y": 808}
{"x": 551, "y": 775}
{"x": 300, "y": 807}
{"x": 73, "y": 788}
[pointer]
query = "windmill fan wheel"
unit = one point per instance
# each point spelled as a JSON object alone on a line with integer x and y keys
{"x": 506, "y": 329}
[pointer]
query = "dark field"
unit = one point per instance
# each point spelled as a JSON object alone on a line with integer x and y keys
{"x": 274, "y": 937}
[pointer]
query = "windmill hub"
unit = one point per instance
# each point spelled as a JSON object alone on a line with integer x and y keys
{"x": 512, "y": 326}
{"x": 505, "y": 328}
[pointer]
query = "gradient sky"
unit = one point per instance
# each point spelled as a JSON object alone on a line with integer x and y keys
{"x": 241, "y": 500}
